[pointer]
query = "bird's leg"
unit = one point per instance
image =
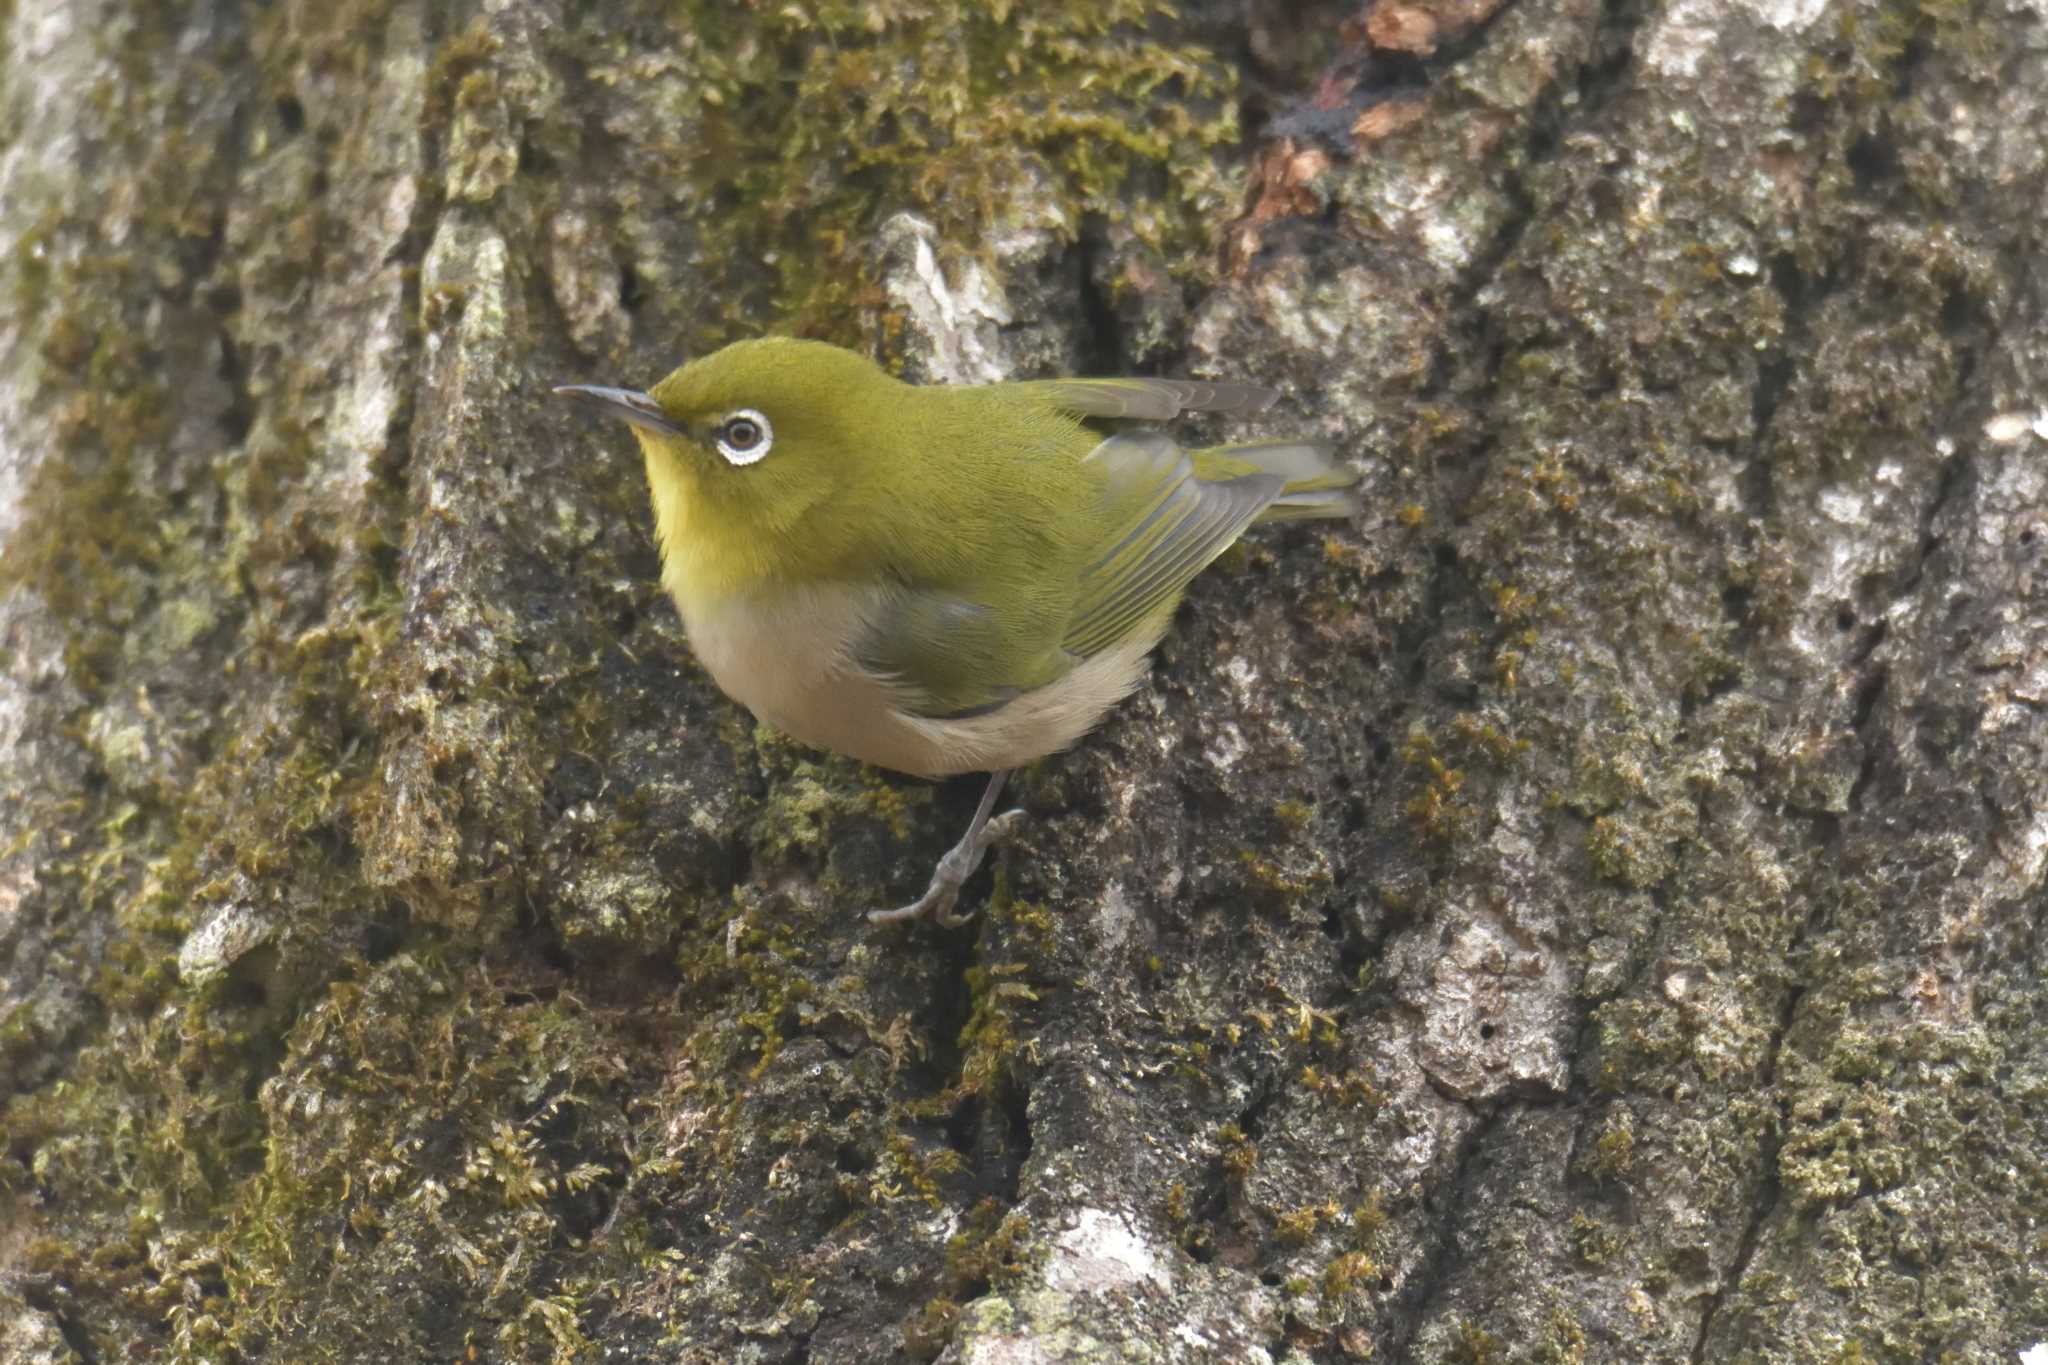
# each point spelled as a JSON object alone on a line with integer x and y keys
{"x": 959, "y": 863}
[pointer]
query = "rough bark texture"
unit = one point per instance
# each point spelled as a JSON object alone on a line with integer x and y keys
{"x": 1592, "y": 908}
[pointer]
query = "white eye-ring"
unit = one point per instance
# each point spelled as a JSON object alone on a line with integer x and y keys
{"x": 744, "y": 436}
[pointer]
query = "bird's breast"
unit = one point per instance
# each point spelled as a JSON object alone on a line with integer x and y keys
{"x": 789, "y": 657}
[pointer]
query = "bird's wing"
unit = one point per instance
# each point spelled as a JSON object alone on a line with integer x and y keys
{"x": 1175, "y": 523}
{"x": 1153, "y": 400}
{"x": 952, "y": 658}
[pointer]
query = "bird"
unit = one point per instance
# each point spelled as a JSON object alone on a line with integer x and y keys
{"x": 942, "y": 579}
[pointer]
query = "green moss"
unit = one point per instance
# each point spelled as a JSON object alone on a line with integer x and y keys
{"x": 1296, "y": 1226}
{"x": 389, "y": 1144}
{"x": 1285, "y": 881}
{"x": 1624, "y": 851}
{"x": 1035, "y": 923}
{"x": 459, "y": 74}
{"x": 1474, "y": 1345}
{"x": 805, "y": 125}
{"x": 1349, "y": 1274}
{"x": 1293, "y": 816}
{"x": 1438, "y": 811}
{"x": 1563, "y": 1341}
{"x": 989, "y": 1251}
{"x": 157, "y": 1146}
{"x": 1237, "y": 1154}
{"x": 930, "y": 1330}
{"x": 1593, "y": 1242}
{"x": 93, "y": 533}
{"x": 157, "y": 1118}
{"x": 990, "y": 1038}
{"x": 754, "y": 963}
{"x": 1354, "y": 1090}
{"x": 1179, "y": 1204}
{"x": 816, "y": 805}
{"x": 919, "y": 1171}
{"x": 1612, "y": 1154}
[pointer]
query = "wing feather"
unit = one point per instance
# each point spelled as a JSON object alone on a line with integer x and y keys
{"x": 1168, "y": 514}
{"x": 1178, "y": 523}
{"x": 951, "y": 658}
{"x": 1152, "y": 400}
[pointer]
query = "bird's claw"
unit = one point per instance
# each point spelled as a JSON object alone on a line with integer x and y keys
{"x": 960, "y": 863}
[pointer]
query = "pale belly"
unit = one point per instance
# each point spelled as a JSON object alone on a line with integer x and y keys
{"x": 789, "y": 660}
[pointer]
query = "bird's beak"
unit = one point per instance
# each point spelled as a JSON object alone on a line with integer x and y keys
{"x": 636, "y": 407}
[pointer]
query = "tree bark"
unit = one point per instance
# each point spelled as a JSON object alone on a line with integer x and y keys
{"x": 1589, "y": 908}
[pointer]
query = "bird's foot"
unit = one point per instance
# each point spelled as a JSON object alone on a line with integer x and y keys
{"x": 952, "y": 873}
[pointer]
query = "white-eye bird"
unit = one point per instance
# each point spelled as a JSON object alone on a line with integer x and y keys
{"x": 941, "y": 579}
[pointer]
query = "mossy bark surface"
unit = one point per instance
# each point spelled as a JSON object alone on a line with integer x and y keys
{"x": 1593, "y": 907}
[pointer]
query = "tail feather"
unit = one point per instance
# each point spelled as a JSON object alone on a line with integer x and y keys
{"x": 1310, "y": 506}
{"x": 1317, "y": 485}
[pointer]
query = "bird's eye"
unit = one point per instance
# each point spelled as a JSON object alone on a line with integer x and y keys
{"x": 744, "y": 436}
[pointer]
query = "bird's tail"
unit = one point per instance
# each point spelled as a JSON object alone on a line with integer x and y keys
{"x": 1317, "y": 485}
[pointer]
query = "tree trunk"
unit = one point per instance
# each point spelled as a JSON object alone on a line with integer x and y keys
{"x": 1590, "y": 908}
